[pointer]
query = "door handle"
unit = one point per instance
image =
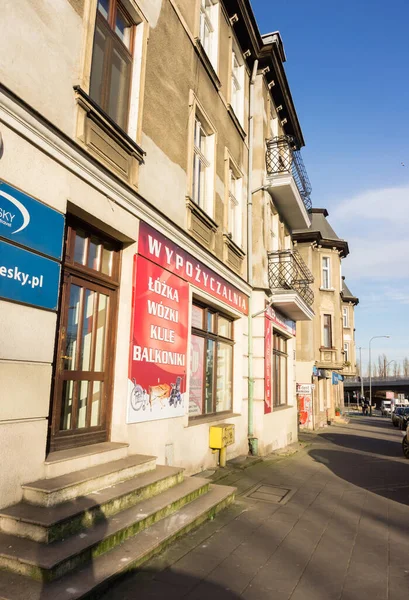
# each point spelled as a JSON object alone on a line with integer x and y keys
{"x": 66, "y": 357}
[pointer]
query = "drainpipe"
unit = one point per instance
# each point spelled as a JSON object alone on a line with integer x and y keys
{"x": 253, "y": 445}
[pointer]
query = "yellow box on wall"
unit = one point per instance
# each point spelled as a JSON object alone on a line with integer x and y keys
{"x": 221, "y": 435}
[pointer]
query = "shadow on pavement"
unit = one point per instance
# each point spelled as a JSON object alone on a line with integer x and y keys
{"x": 168, "y": 584}
{"x": 387, "y": 478}
{"x": 366, "y": 444}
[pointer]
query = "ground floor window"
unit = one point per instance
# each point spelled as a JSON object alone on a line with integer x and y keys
{"x": 280, "y": 357}
{"x": 211, "y": 362}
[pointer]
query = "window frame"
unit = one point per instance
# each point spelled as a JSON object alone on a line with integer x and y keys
{"x": 327, "y": 326}
{"x": 237, "y": 84}
{"x": 207, "y": 205}
{"x": 216, "y": 338}
{"x": 326, "y": 272}
{"x": 345, "y": 317}
{"x": 346, "y": 352}
{"x": 277, "y": 376}
{"x": 114, "y": 43}
{"x": 209, "y": 17}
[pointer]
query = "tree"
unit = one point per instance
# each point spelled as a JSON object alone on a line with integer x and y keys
{"x": 406, "y": 367}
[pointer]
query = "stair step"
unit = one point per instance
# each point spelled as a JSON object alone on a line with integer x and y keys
{"x": 46, "y": 562}
{"x": 48, "y": 524}
{"x": 49, "y": 492}
{"x": 61, "y": 462}
{"x": 95, "y": 576}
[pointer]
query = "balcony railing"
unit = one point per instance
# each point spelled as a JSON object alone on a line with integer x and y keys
{"x": 283, "y": 157}
{"x": 288, "y": 271}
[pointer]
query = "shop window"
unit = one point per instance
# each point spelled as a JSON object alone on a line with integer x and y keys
{"x": 280, "y": 358}
{"x": 211, "y": 362}
{"x": 327, "y": 332}
{"x": 111, "y": 69}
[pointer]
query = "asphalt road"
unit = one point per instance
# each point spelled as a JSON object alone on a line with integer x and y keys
{"x": 340, "y": 533}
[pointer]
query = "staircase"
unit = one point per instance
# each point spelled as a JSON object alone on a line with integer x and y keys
{"x": 72, "y": 534}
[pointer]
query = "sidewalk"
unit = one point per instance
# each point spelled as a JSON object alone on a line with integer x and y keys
{"x": 329, "y": 522}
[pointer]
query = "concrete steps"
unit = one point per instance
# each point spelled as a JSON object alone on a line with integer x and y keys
{"x": 73, "y": 533}
{"x": 88, "y": 582}
{"x": 49, "y": 524}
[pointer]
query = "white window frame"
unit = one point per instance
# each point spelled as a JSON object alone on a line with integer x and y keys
{"x": 345, "y": 317}
{"x": 346, "y": 352}
{"x": 203, "y": 161}
{"x": 209, "y": 29}
{"x": 326, "y": 272}
{"x": 235, "y": 206}
{"x": 237, "y": 84}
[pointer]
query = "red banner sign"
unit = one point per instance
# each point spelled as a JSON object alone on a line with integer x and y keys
{"x": 157, "y": 248}
{"x": 158, "y": 352}
{"x": 287, "y": 324}
{"x": 267, "y": 366}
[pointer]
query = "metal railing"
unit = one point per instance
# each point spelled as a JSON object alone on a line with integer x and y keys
{"x": 282, "y": 156}
{"x": 288, "y": 271}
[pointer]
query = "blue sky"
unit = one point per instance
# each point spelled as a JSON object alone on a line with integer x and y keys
{"x": 348, "y": 69}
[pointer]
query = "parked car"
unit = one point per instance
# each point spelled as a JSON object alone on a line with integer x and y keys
{"x": 403, "y": 419}
{"x": 386, "y": 408}
{"x": 396, "y": 415}
{"x": 405, "y": 444}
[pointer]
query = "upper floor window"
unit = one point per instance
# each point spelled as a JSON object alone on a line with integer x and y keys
{"x": 111, "y": 69}
{"x": 326, "y": 272}
{"x": 345, "y": 316}
{"x": 203, "y": 160}
{"x": 237, "y": 86}
{"x": 209, "y": 25}
{"x": 346, "y": 352}
{"x": 234, "y": 220}
{"x": 327, "y": 332}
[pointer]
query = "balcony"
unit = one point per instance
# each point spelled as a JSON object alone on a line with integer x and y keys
{"x": 290, "y": 280}
{"x": 287, "y": 181}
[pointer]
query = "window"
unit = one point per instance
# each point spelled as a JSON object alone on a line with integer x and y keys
{"x": 279, "y": 369}
{"x": 327, "y": 331}
{"x": 203, "y": 161}
{"x": 211, "y": 362}
{"x": 346, "y": 352}
{"x": 111, "y": 69}
{"x": 208, "y": 35}
{"x": 326, "y": 274}
{"x": 345, "y": 316}
{"x": 237, "y": 87}
{"x": 234, "y": 219}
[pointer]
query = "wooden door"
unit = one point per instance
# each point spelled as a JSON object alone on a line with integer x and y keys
{"x": 86, "y": 339}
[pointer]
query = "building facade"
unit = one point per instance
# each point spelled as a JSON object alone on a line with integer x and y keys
{"x": 149, "y": 283}
{"x": 323, "y": 344}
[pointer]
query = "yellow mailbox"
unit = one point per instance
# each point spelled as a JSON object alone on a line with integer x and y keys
{"x": 221, "y": 436}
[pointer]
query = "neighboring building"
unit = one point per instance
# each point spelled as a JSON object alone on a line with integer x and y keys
{"x": 280, "y": 279}
{"x": 320, "y": 343}
{"x": 349, "y": 302}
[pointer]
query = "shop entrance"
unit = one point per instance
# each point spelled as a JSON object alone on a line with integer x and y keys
{"x": 85, "y": 349}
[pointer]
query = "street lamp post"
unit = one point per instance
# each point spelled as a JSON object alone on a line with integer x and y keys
{"x": 370, "y": 369}
{"x": 361, "y": 373}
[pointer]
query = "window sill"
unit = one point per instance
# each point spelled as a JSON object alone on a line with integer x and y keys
{"x": 200, "y": 225}
{"x": 203, "y": 419}
{"x": 236, "y": 121}
{"x": 322, "y": 289}
{"x": 105, "y": 140}
{"x": 202, "y": 54}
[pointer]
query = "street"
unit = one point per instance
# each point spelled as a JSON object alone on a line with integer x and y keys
{"x": 340, "y": 532}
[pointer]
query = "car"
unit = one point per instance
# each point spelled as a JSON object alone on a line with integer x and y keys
{"x": 396, "y": 415}
{"x": 403, "y": 419}
{"x": 386, "y": 408}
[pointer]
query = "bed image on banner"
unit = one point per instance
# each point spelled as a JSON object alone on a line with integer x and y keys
{"x": 158, "y": 348}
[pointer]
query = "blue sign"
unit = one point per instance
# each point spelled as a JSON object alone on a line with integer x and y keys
{"x": 30, "y": 223}
{"x": 28, "y": 278}
{"x": 336, "y": 378}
